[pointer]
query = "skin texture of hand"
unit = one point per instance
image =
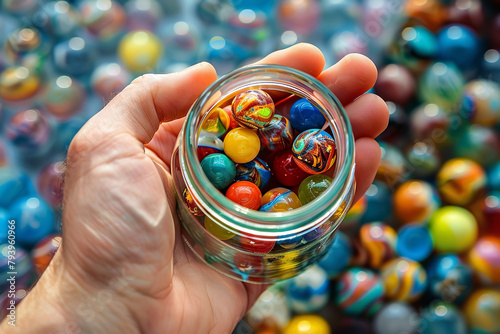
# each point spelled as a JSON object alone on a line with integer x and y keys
{"x": 122, "y": 267}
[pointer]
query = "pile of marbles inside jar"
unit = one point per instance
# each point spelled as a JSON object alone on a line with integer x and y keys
{"x": 235, "y": 141}
{"x": 231, "y": 139}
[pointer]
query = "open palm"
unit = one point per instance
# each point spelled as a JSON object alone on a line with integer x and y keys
{"x": 123, "y": 267}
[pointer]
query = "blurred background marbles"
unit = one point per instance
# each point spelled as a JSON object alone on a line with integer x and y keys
{"x": 309, "y": 291}
{"x": 379, "y": 240}
{"x": 442, "y": 318}
{"x": 359, "y": 292}
{"x": 415, "y": 201}
{"x": 404, "y": 279}
{"x": 338, "y": 255}
{"x": 396, "y": 318}
{"x": 453, "y": 229}
{"x": 414, "y": 241}
{"x": 450, "y": 279}
{"x": 439, "y": 71}
{"x": 482, "y": 311}
{"x": 73, "y": 56}
{"x": 484, "y": 257}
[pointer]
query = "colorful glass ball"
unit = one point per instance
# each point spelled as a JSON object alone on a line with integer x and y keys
{"x": 378, "y": 203}
{"x": 481, "y": 102}
{"x": 255, "y": 244}
{"x": 50, "y": 183}
{"x": 309, "y": 291}
{"x": 450, "y": 279}
{"x": 304, "y": 116}
{"x": 440, "y": 318}
{"x": 441, "y": 83}
{"x": 217, "y": 230}
{"x": 424, "y": 158}
{"x": 338, "y": 256}
{"x": 208, "y": 144}
{"x": 415, "y": 201}
{"x": 404, "y": 279}
{"x": 219, "y": 169}
{"x": 34, "y": 220}
{"x": 287, "y": 172}
{"x": 191, "y": 204}
{"x": 393, "y": 167}
{"x": 460, "y": 181}
{"x": 279, "y": 199}
{"x": 396, "y": 83}
{"x": 453, "y": 229}
{"x": 253, "y": 108}
{"x": 414, "y": 242}
{"x": 307, "y": 323}
{"x": 484, "y": 258}
{"x": 414, "y": 47}
{"x": 241, "y": 145}
{"x": 359, "y": 292}
{"x": 30, "y": 132}
{"x": 277, "y": 135}
{"x": 246, "y": 194}
{"x": 140, "y": 51}
{"x": 215, "y": 123}
{"x": 256, "y": 171}
{"x": 18, "y": 83}
{"x": 44, "y": 251}
{"x": 396, "y": 318}
{"x": 73, "y": 57}
{"x": 458, "y": 44}
{"x": 64, "y": 97}
{"x": 314, "y": 151}
{"x": 379, "y": 240}
{"x": 109, "y": 79}
{"x": 270, "y": 310}
{"x": 482, "y": 311}
{"x": 312, "y": 187}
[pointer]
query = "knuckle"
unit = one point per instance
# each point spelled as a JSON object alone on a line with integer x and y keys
{"x": 80, "y": 147}
{"x": 142, "y": 79}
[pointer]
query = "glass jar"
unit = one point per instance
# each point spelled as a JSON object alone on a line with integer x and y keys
{"x": 300, "y": 236}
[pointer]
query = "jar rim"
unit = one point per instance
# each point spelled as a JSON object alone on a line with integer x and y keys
{"x": 239, "y": 218}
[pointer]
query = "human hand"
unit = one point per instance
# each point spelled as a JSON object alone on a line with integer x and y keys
{"x": 122, "y": 266}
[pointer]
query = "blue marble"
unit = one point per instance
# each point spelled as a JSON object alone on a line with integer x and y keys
{"x": 57, "y": 19}
{"x": 74, "y": 56}
{"x": 493, "y": 177}
{"x": 338, "y": 256}
{"x": 13, "y": 184}
{"x": 34, "y": 220}
{"x": 291, "y": 242}
{"x": 378, "y": 203}
{"x": 459, "y": 45}
{"x": 449, "y": 278}
{"x": 414, "y": 242}
{"x": 309, "y": 291}
{"x": 304, "y": 116}
{"x": 441, "y": 318}
{"x": 4, "y": 225}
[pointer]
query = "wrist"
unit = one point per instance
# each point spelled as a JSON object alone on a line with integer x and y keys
{"x": 63, "y": 303}
{"x": 38, "y": 311}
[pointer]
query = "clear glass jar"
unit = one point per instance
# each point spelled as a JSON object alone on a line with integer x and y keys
{"x": 301, "y": 235}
